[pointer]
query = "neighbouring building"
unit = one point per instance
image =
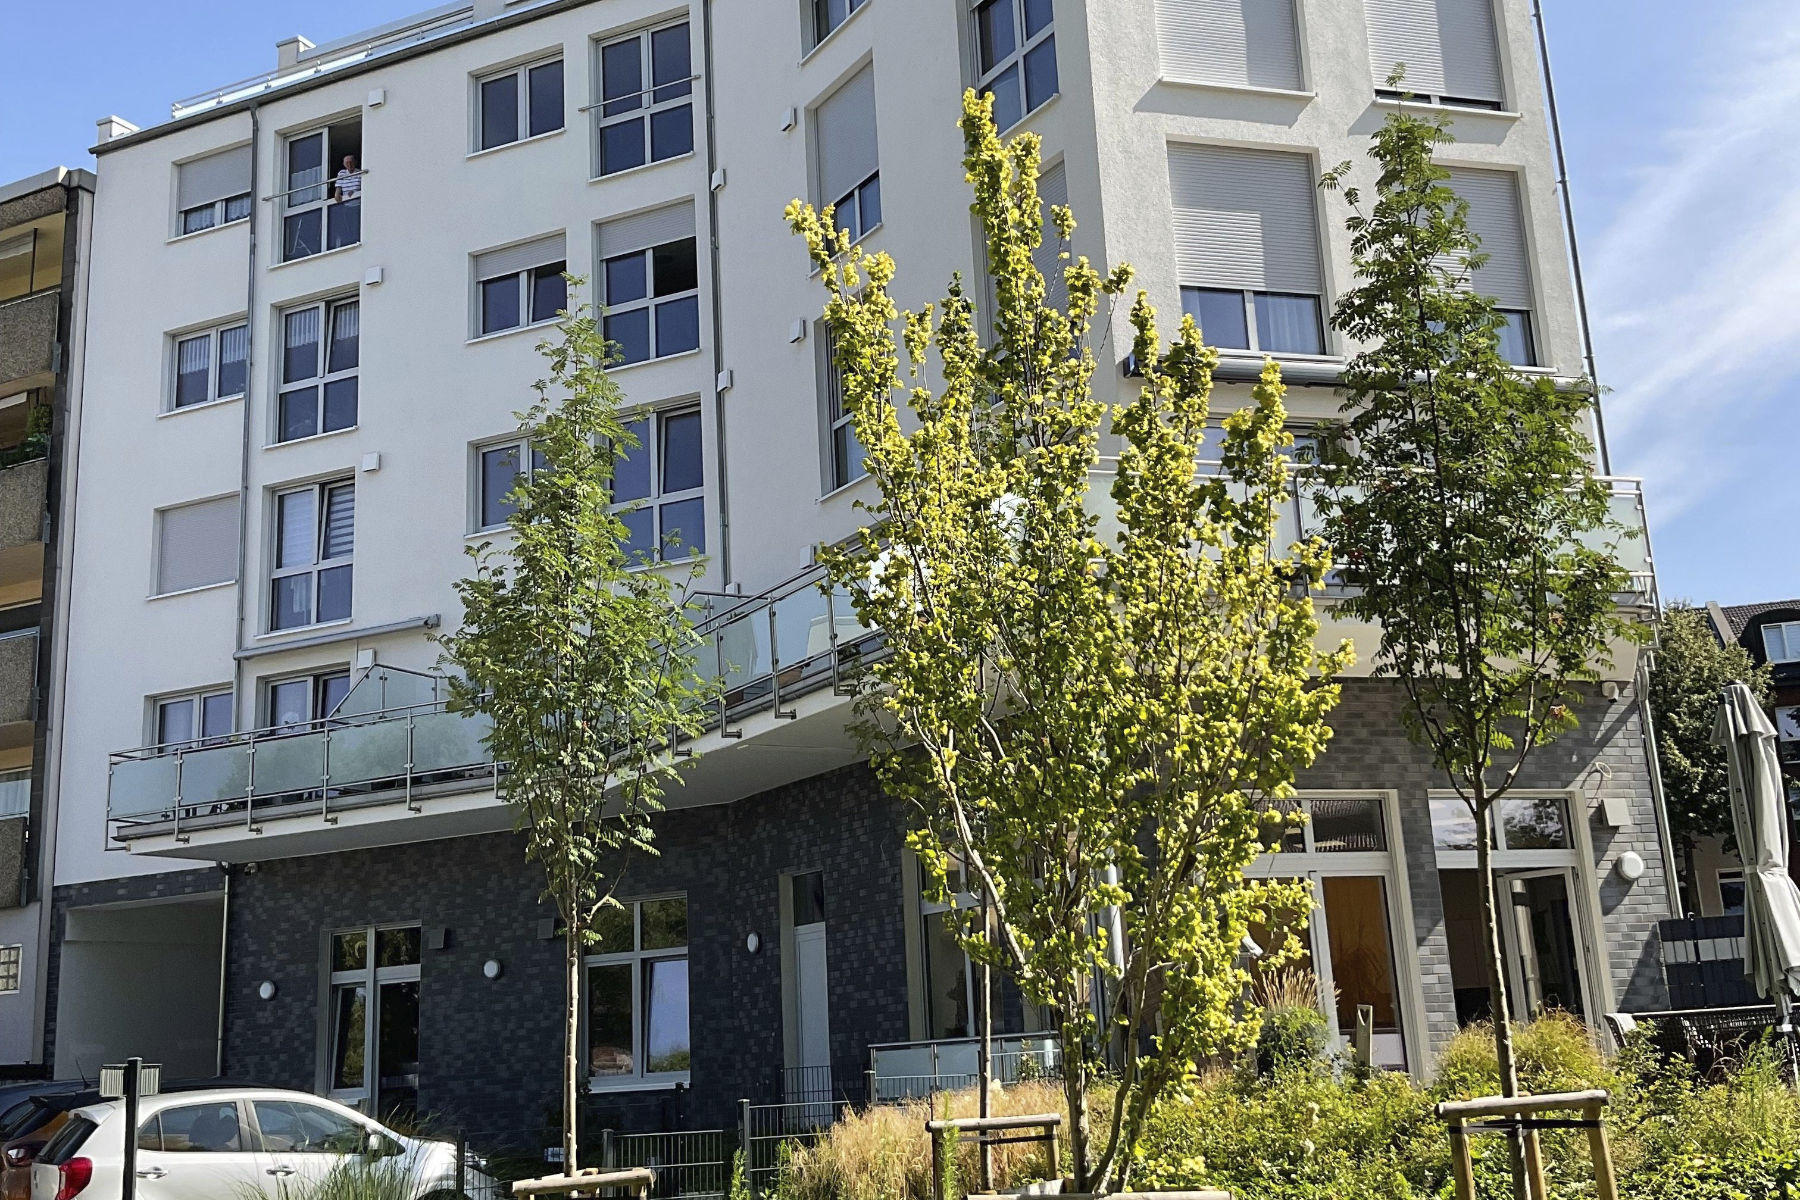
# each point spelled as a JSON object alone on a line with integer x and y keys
{"x": 321, "y": 291}
{"x": 44, "y": 224}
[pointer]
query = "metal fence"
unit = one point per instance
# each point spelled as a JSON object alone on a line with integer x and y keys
{"x": 692, "y": 1164}
{"x": 914, "y": 1070}
{"x": 771, "y": 1133}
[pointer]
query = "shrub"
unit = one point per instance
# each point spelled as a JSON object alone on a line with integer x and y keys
{"x": 1291, "y": 1039}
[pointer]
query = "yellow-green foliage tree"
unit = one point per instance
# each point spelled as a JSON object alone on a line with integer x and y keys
{"x": 1091, "y": 728}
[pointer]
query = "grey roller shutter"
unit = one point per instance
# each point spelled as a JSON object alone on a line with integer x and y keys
{"x": 845, "y": 122}
{"x": 1249, "y": 42}
{"x": 1449, "y": 47}
{"x": 197, "y": 545}
{"x": 213, "y": 178}
{"x": 645, "y": 230}
{"x": 1496, "y": 216}
{"x": 1244, "y": 219}
{"x": 1053, "y": 190}
{"x": 538, "y": 252}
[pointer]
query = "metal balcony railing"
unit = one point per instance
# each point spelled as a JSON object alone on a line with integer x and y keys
{"x": 911, "y": 1070}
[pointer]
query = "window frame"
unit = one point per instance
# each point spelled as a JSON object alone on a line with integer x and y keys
{"x": 820, "y": 25}
{"x": 858, "y": 199}
{"x": 1024, "y": 44}
{"x": 323, "y": 376}
{"x": 314, "y": 679}
{"x": 1723, "y": 876}
{"x": 12, "y": 968}
{"x": 319, "y": 564}
{"x": 220, "y": 214}
{"x": 197, "y": 697}
{"x": 1251, "y": 332}
{"x": 652, "y": 300}
{"x": 371, "y": 976}
{"x": 524, "y": 453}
{"x": 641, "y": 1077}
{"x": 1789, "y": 633}
{"x": 648, "y": 105}
{"x": 835, "y": 420}
{"x": 326, "y": 199}
{"x": 525, "y": 280}
{"x": 656, "y": 499}
{"x": 215, "y": 335}
{"x": 520, "y": 73}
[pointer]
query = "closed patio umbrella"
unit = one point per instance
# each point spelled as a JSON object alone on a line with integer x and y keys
{"x": 1759, "y": 818}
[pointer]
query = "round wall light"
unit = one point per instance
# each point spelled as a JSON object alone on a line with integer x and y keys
{"x": 1630, "y": 866}
{"x": 266, "y": 989}
{"x": 753, "y": 943}
{"x": 491, "y": 968}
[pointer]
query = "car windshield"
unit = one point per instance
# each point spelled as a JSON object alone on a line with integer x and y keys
{"x": 67, "y": 1141}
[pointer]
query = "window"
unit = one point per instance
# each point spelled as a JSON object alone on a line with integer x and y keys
{"x": 660, "y": 487}
{"x": 496, "y": 472}
{"x": 1781, "y": 642}
{"x": 637, "y": 1010}
{"x": 520, "y": 285}
{"x": 827, "y": 15}
{"x": 11, "y": 960}
{"x": 212, "y": 1128}
{"x": 31, "y": 258}
{"x": 638, "y": 123}
{"x": 1448, "y": 48}
{"x": 1015, "y": 56}
{"x": 1053, "y": 193}
{"x": 373, "y": 1014}
{"x": 1731, "y": 893}
{"x": 195, "y": 719}
{"x": 1787, "y": 727}
{"x": 849, "y": 166}
{"x": 315, "y": 534}
{"x": 1249, "y": 43}
{"x": 322, "y": 197}
{"x": 288, "y": 1127}
{"x": 305, "y": 700}
{"x": 521, "y": 103}
{"x": 843, "y": 453}
{"x": 650, "y": 284}
{"x": 210, "y": 365}
{"x": 196, "y": 545}
{"x": 15, "y": 793}
{"x": 213, "y": 191}
{"x": 1247, "y": 248}
{"x": 1496, "y": 218}
{"x": 320, "y": 346}
{"x": 1520, "y": 823}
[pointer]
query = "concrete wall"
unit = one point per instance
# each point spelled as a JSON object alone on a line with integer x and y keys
{"x": 28, "y": 335}
{"x": 22, "y": 490}
{"x": 18, "y": 678}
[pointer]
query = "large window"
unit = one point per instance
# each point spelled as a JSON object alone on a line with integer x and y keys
{"x": 1247, "y": 247}
{"x": 844, "y": 461}
{"x": 497, "y": 469}
{"x": 520, "y": 285}
{"x": 849, "y": 163}
{"x": 827, "y": 15}
{"x": 1497, "y": 219}
{"x": 315, "y": 535}
{"x": 373, "y": 1014}
{"x": 660, "y": 487}
{"x": 1448, "y": 49}
{"x": 213, "y": 191}
{"x": 1015, "y": 56}
{"x": 1781, "y": 642}
{"x": 196, "y": 545}
{"x": 194, "y": 719}
{"x": 210, "y": 365}
{"x": 1246, "y": 43}
{"x": 302, "y": 701}
{"x": 322, "y": 197}
{"x": 520, "y": 103}
{"x": 637, "y": 994}
{"x": 645, "y": 112}
{"x": 320, "y": 349}
{"x": 650, "y": 284}
{"x": 1520, "y": 822}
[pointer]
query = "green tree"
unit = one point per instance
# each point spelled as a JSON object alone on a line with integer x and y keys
{"x": 1462, "y": 498}
{"x": 1092, "y": 730}
{"x": 1691, "y": 667}
{"x": 582, "y": 657}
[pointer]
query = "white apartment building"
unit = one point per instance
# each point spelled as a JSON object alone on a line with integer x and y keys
{"x": 315, "y": 299}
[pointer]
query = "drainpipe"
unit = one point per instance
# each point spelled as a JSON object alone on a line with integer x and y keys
{"x": 718, "y": 335}
{"x": 1665, "y": 842}
{"x": 224, "y": 950}
{"x": 250, "y": 327}
{"x": 1568, "y": 213}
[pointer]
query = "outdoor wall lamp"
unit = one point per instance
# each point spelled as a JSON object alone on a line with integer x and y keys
{"x": 491, "y": 969}
{"x": 1630, "y": 866}
{"x": 753, "y": 943}
{"x": 266, "y": 989}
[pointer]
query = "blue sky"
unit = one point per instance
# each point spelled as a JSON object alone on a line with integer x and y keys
{"x": 1684, "y": 166}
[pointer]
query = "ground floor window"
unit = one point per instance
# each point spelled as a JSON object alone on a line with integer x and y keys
{"x": 637, "y": 995}
{"x": 373, "y": 1015}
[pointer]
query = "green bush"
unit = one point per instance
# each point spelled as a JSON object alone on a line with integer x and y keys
{"x": 1291, "y": 1039}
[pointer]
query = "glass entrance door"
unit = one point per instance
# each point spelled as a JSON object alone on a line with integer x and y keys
{"x": 1543, "y": 948}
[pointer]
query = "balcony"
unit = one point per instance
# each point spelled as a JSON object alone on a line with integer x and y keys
{"x": 18, "y": 686}
{"x": 28, "y": 337}
{"x": 912, "y": 1070}
{"x": 23, "y": 488}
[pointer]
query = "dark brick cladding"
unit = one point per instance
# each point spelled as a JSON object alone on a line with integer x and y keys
{"x": 489, "y": 1050}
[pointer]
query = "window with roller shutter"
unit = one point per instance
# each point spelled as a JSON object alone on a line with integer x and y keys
{"x": 520, "y": 285}
{"x": 1238, "y": 43}
{"x": 212, "y": 191}
{"x": 1497, "y": 219}
{"x": 849, "y": 162}
{"x": 196, "y": 545}
{"x": 649, "y": 273}
{"x": 1449, "y": 51}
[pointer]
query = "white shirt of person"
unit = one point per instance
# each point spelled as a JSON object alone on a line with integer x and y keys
{"x": 348, "y": 183}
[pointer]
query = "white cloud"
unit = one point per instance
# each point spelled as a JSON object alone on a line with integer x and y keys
{"x": 1695, "y": 284}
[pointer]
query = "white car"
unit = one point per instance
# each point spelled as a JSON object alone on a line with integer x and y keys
{"x": 237, "y": 1144}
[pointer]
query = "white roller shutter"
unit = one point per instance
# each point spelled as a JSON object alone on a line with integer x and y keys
{"x": 213, "y": 178}
{"x": 538, "y": 252}
{"x": 1244, "y": 219}
{"x": 1449, "y": 47}
{"x": 1248, "y": 42}
{"x": 1496, "y": 216}
{"x": 1053, "y": 191}
{"x": 197, "y": 545}
{"x": 644, "y": 230}
{"x": 845, "y": 122}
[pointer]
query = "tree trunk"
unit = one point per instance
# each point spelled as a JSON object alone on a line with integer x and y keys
{"x": 572, "y": 1056}
{"x": 984, "y": 1055}
{"x": 1075, "y": 1085}
{"x": 1498, "y": 1005}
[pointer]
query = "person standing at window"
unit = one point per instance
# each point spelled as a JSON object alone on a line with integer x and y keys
{"x": 347, "y": 184}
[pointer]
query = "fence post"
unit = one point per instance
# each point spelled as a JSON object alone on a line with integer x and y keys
{"x": 937, "y": 1165}
{"x": 749, "y": 1154}
{"x": 1459, "y": 1161}
{"x": 462, "y": 1160}
{"x": 1605, "y": 1186}
{"x": 869, "y": 1088}
{"x": 607, "y": 1158}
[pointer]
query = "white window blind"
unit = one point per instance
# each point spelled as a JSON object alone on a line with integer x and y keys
{"x": 644, "y": 230}
{"x": 197, "y": 545}
{"x": 1495, "y": 216}
{"x": 513, "y": 259}
{"x": 1248, "y": 42}
{"x": 1448, "y": 47}
{"x": 213, "y": 178}
{"x": 1053, "y": 191}
{"x": 845, "y": 122}
{"x": 1244, "y": 219}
